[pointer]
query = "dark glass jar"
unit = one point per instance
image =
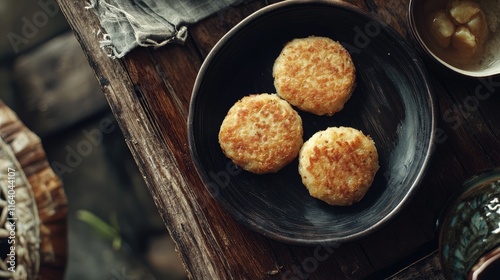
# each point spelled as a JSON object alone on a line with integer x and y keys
{"x": 469, "y": 229}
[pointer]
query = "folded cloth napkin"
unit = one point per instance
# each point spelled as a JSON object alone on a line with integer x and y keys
{"x": 132, "y": 23}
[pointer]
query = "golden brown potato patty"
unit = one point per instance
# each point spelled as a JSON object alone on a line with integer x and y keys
{"x": 261, "y": 133}
{"x": 316, "y": 74}
{"x": 337, "y": 165}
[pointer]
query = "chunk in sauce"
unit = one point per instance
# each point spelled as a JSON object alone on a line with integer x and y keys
{"x": 460, "y": 28}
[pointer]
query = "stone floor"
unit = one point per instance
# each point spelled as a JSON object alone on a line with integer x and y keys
{"x": 46, "y": 80}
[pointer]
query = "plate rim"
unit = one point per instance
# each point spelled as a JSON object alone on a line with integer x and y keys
{"x": 413, "y": 189}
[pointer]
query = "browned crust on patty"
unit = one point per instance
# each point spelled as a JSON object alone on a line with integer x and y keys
{"x": 338, "y": 165}
{"x": 261, "y": 133}
{"x": 316, "y": 74}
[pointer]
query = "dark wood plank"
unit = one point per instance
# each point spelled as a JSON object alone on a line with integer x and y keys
{"x": 209, "y": 31}
{"x": 149, "y": 92}
{"x": 161, "y": 173}
{"x": 426, "y": 268}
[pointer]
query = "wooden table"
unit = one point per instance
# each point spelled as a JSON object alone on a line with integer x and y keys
{"x": 149, "y": 92}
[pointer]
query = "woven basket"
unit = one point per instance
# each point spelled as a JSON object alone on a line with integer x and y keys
{"x": 40, "y": 205}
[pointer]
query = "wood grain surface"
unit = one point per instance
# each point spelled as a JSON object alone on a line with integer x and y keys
{"x": 149, "y": 92}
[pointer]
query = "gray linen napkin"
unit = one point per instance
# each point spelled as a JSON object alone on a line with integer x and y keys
{"x": 132, "y": 23}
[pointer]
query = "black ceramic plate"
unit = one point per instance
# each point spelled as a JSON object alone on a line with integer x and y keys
{"x": 392, "y": 103}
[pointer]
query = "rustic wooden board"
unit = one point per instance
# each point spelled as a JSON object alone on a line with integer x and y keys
{"x": 149, "y": 92}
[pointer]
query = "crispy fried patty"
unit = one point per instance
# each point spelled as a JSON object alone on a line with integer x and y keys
{"x": 261, "y": 133}
{"x": 316, "y": 74}
{"x": 337, "y": 165}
